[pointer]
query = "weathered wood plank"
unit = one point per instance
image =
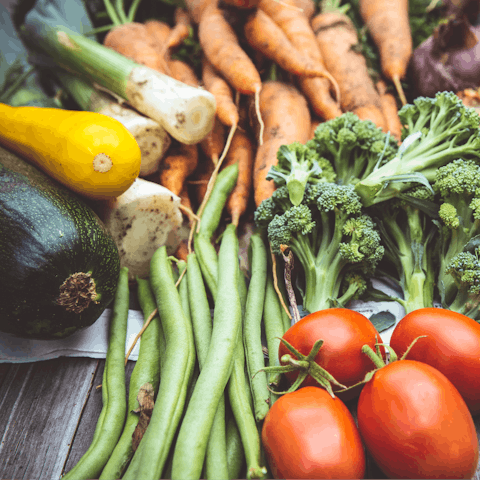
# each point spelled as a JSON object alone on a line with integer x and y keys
{"x": 39, "y": 411}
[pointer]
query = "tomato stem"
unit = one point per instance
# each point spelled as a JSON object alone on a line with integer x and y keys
{"x": 376, "y": 359}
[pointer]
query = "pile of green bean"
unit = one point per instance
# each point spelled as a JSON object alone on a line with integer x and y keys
{"x": 210, "y": 392}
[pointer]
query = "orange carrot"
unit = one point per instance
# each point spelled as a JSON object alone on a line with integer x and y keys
{"x": 307, "y": 6}
{"x": 181, "y": 30}
{"x": 159, "y": 32}
{"x": 241, "y": 151}
{"x": 199, "y": 179}
{"x": 221, "y": 47}
{"x": 226, "y": 110}
{"x": 242, "y": 4}
{"x": 132, "y": 40}
{"x": 287, "y": 119}
{"x": 318, "y": 92}
{"x": 180, "y": 162}
{"x": 390, "y": 110}
{"x": 182, "y": 252}
{"x": 388, "y": 23}
{"x": 213, "y": 144}
{"x": 196, "y": 8}
{"x": 183, "y": 72}
{"x": 338, "y": 41}
{"x": 264, "y": 35}
{"x": 315, "y": 123}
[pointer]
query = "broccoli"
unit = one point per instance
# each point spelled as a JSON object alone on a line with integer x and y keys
{"x": 458, "y": 188}
{"x": 354, "y": 147}
{"x": 336, "y": 243}
{"x": 297, "y": 165}
{"x": 464, "y": 269}
{"x": 436, "y": 131}
{"x": 408, "y": 230}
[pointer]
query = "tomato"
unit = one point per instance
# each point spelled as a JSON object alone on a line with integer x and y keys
{"x": 415, "y": 423}
{"x": 452, "y": 346}
{"x": 309, "y": 434}
{"x": 344, "y": 333}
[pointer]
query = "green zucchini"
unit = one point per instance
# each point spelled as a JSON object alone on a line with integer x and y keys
{"x": 59, "y": 266}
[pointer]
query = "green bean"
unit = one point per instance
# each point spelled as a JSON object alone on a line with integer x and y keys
{"x": 150, "y": 456}
{"x": 235, "y": 452}
{"x": 206, "y": 252}
{"x": 194, "y": 432}
{"x": 274, "y": 327}
{"x": 183, "y": 290}
{"x": 252, "y": 327}
{"x": 216, "y": 465}
{"x": 112, "y": 418}
{"x": 240, "y": 402}
{"x": 212, "y": 213}
{"x": 146, "y": 370}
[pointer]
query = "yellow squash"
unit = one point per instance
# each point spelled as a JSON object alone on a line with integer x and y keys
{"x": 90, "y": 153}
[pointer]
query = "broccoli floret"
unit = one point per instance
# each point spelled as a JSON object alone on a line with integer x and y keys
{"x": 436, "y": 131}
{"x": 464, "y": 268}
{"x": 458, "y": 187}
{"x": 298, "y": 164}
{"x": 409, "y": 232}
{"x": 330, "y": 236}
{"x": 353, "y": 146}
{"x": 353, "y": 287}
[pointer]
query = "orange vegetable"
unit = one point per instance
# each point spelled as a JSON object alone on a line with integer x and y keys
{"x": 338, "y": 41}
{"x": 221, "y": 47}
{"x": 390, "y": 110}
{"x": 181, "y": 30}
{"x": 241, "y": 151}
{"x": 389, "y": 25}
{"x": 287, "y": 119}
{"x": 226, "y": 110}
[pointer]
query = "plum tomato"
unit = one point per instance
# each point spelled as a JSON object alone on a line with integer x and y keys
{"x": 344, "y": 332}
{"x": 415, "y": 423}
{"x": 452, "y": 346}
{"x": 310, "y": 434}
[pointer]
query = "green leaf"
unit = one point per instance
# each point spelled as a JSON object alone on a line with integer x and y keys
{"x": 383, "y": 320}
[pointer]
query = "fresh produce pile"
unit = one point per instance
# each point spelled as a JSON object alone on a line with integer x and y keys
{"x": 175, "y": 137}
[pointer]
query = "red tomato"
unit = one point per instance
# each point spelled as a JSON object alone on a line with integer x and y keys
{"x": 344, "y": 333}
{"x": 415, "y": 424}
{"x": 309, "y": 434}
{"x": 452, "y": 346}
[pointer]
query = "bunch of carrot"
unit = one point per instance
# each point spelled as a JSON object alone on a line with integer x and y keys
{"x": 316, "y": 73}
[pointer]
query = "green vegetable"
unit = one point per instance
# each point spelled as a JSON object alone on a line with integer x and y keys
{"x": 146, "y": 370}
{"x": 216, "y": 465}
{"x": 457, "y": 184}
{"x": 252, "y": 325}
{"x": 197, "y": 422}
{"x": 354, "y": 147}
{"x": 409, "y": 234}
{"x": 59, "y": 266}
{"x": 235, "y": 453}
{"x": 112, "y": 417}
{"x": 151, "y": 455}
{"x": 298, "y": 164}
{"x": 329, "y": 235}
{"x": 437, "y": 131}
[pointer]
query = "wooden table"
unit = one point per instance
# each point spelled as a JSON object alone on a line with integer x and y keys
{"x": 48, "y": 412}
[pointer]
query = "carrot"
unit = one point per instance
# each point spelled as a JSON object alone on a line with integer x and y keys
{"x": 182, "y": 252}
{"x": 181, "y": 30}
{"x": 183, "y": 72}
{"x": 196, "y": 8}
{"x": 159, "y": 32}
{"x": 226, "y": 110}
{"x": 264, "y": 35}
{"x": 287, "y": 119}
{"x": 389, "y": 25}
{"x": 317, "y": 91}
{"x": 220, "y": 45}
{"x": 242, "y": 4}
{"x": 199, "y": 179}
{"x": 133, "y": 41}
{"x": 307, "y": 6}
{"x": 214, "y": 143}
{"x": 180, "y": 162}
{"x": 241, "y": 151}
{"x": 390, "y": 110}
{"x": 315, "y": 123}
{"x": 338, "y": 40}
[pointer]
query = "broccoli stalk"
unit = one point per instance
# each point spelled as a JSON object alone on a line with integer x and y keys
{"x": 334, "y": 241}
{"x": 437, "y": 131}
{"x": 458, "y": 185}
{"x": 298, "y": 164}
{"x": 408, "y": 232}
